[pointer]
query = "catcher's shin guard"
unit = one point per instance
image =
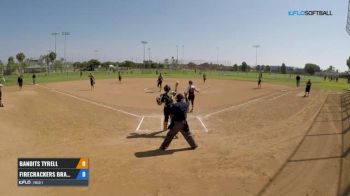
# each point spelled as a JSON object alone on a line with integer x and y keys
{"x": 165, "y": 126}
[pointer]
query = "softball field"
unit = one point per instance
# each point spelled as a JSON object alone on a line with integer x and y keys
{"x": 269, "y": 141}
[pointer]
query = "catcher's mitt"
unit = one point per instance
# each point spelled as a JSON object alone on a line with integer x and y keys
{"x": 159, "y": 101}
{"x": 173, "y": 93}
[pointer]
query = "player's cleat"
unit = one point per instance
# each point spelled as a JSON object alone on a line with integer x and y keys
{"x": 191, "y": 110}
{"x": 162, "y": 148}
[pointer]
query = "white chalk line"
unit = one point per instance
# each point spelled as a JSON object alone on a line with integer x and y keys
{"x": 139, "y": 125}
{"x": 161, "y": 122}
{"x": 91, "y": 102}
{"x": 274, "y": 98}
{"x": 205, "y": 129}
{"x": 237, "y": 106}
{"x": 203, "y": 125}
{"x": 122, "y": 111}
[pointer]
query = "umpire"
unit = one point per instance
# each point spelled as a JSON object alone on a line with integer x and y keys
{"x": 179, "y": 123}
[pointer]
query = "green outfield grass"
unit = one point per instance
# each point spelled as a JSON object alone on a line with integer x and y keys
{"x": 286, "y": 79}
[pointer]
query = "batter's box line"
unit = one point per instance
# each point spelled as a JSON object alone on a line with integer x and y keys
{"x": 137, "y": 130}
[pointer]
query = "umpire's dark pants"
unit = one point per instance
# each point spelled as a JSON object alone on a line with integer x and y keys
{"x": 177, "y": 126}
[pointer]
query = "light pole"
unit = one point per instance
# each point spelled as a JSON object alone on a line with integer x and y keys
{"x": 55, "y": 35}
{"x": 182, "y": 55}
{"x": 144, "y": 50}
{"x": 96, "y": 54}
{"x": 256, "y": 54}
{"x": 177, "y": 54}
{"x": 149, "y": 54}
{"x": 65, "y": 34}
{"x": 217, "y": 55}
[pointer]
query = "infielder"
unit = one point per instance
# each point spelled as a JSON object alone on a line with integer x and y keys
{"x": 307, "y": 88}
{"x": 92, "y": 81}
{"x": 191, "y": 89}
{"x": 259, "y": 79}
{"x": 160, "y": 82}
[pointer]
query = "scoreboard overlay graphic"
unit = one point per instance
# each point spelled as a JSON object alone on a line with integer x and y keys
{"x": 53, "y": 172}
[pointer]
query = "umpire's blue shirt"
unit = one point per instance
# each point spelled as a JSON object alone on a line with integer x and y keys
{"x": 179, "y": 110}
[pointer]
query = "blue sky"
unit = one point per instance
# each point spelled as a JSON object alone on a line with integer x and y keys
{"x": 206, "y": 28}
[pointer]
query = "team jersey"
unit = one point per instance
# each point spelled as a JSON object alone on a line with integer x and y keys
{"x": 179, "y": 110}
{"x": 308, "y": 84}
{"x": 190, "y": 90}
{"x": 166, "y": 99}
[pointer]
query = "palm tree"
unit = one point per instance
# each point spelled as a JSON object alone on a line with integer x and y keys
{"x": 20, "y": 58}
{"x": 52, "y": 57}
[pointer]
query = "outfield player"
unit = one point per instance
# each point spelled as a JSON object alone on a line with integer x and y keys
{"x": 204, "y": 78}
{"x": 33, "y": 77}
{"x": 297, "y": 78}
{"x": 160, "y": 82}
{"x": 1, "y": 104}
{"x": 20, "y": 82}
{"x": 119, "y": 77}
{"x": 92, "y": 81}
{"x": 307, "y": 88}
{"x": 179, "y": 123}
{"x": 191, "y": 89}
{"x": 259, "y": 79}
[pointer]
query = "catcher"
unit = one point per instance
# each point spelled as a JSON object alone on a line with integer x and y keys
{"x": 166, "y": 98}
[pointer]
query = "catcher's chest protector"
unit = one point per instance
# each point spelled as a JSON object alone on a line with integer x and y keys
{"x": 166, "y": 99}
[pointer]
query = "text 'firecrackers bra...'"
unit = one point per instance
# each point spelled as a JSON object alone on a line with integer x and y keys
{"x": 57, "y": 174}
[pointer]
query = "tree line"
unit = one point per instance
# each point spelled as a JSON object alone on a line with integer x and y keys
{"x": 49, "y": 63}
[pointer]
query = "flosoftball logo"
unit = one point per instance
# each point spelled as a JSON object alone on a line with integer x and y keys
{"x": 309, "y": 13}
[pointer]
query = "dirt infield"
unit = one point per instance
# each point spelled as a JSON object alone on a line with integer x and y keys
{"x": 251, "y": 141}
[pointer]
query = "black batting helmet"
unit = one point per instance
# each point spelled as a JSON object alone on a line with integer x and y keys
{"x": 166, "y": 88}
